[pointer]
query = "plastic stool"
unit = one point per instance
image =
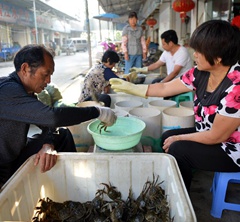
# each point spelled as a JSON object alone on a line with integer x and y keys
{"x": 219, "y": 189}
{"x": 188, "y": 96}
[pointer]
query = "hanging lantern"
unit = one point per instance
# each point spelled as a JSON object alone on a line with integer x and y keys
{"x": 183, "y": 6}
{"x": 151, "y": 22}
{"x": 236, "y": 21}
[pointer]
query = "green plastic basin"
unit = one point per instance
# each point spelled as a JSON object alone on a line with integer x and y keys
{"x": 124, "y": 134}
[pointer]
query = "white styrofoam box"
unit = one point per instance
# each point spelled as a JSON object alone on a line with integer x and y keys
{"x": 117, "y": 97}
{"x": 77, "y": 176}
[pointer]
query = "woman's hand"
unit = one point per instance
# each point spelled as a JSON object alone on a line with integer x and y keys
{"x": 106, "y": 89}
{"x": 126, "y": 57}
{"x": 46, "y": 157}
{"x": 169, "y": 141}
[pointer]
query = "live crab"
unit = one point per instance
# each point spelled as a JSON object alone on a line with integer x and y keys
{"x": 102, "y": 126}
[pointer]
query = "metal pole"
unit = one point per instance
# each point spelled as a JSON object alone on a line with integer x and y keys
{"x": 35, "y": 21}
{"x": 100, "y": 28}
{"x": 89, "y": 37}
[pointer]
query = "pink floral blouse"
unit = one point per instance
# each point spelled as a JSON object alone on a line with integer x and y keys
{"x": 225, "y": 100}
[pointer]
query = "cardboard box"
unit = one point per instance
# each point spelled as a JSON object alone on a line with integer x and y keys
{"x": 77, "y": 176}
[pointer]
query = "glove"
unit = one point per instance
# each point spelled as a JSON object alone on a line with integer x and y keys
{"x": 44, "y": 97}
{"x": 138, "y": 70}
{"x": 107, "y": 116}
{"x": 119, "y": 85}
{"x": 131, "y": 76}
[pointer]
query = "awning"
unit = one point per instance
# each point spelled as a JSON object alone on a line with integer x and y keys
{"x": 106, "y": 16}
{"x": 143, "y": 8}
{"x": 122, "y": 7}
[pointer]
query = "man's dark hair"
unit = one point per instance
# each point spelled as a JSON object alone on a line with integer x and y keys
{"x": 170, "y": 36}
{"x": 33, "y": 54}
{"x": 110, "y": 56}
{"x": 132, "y": 15}
{"x": 217, "y": 39}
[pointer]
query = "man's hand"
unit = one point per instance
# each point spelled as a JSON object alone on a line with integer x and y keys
{"x": 119, "y": 85}
{"x": 139, "y": 70}
{"x": 106, "y": 115}
{"x": 144, "y": 56}
{"x": 46, "y": 157}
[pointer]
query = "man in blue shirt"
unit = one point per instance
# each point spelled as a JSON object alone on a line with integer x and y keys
{"x": 19, "y": 107}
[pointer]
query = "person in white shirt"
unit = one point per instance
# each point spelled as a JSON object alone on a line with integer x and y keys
{"x": 175, "y": 57}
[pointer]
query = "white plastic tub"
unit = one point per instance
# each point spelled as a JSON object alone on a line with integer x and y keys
{"x": 128, "y": 105}
{"x": 176, "y": 118}
{"x": 152, "y": 118}
{"x": 162, "y": 104}
{"x": 77, "y": 176}
{"x": 120, "y": 96}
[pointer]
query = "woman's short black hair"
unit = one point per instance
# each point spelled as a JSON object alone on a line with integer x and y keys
{"x": 110, "y": 56}
{"x": 217, "y": 39}
{"x": 170, "y": 35}
{"x": 33, "y": 54}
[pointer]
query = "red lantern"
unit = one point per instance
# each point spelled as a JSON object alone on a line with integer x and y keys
{"x": 236, "y": 21}
{"x": 151, "y": 22}
{"x": 183, "y": 6}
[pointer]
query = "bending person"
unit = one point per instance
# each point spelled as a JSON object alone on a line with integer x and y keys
{"x": 96, "y": 83}
{"x": 214, "y": 143}
{"x": 19, "y": 107}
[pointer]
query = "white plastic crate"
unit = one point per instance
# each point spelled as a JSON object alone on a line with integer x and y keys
{"x": 77, "y": 176}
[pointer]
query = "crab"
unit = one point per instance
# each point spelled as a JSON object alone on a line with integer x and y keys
{"x": 102, "y": 126}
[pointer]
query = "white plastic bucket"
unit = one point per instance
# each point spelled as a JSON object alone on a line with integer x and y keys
{"x": 176, "y": 118}
{"x": 120, "y": 112}
{"x": 152, "y": 118}
{"x": 128, "y": 104}
{"x": 162, "y": 104}
{"x": 82, "y": 138}
{"x": 186, "y": 104}
{"x": 123, "y": 97}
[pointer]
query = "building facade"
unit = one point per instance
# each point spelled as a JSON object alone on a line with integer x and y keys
{"x": 23, "y": 25}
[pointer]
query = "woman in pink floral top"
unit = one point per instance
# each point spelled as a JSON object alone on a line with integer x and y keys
{"x": 214, "y": 143}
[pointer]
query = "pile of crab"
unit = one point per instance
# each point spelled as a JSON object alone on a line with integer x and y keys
{"x": 150, "y": 205}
